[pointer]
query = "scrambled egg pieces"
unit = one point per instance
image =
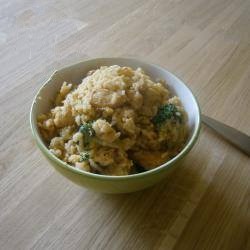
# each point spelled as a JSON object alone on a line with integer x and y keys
{"x": 108, "y": 123}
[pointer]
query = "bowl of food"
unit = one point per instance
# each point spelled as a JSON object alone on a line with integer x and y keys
{"x": 115, "y": 125}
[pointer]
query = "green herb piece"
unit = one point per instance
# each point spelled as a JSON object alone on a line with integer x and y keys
{"x": 166, "y": 112}
{"x": 88, "y": 132}
{"x": 84, "y": 156}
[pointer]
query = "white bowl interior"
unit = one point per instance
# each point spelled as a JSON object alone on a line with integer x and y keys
{"x": 77, "y": 72}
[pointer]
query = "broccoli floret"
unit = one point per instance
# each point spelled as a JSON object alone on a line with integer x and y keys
{"x": 84, "y": 156}
{"x": 166, "y": 112}
{"x": 88, "y": 132}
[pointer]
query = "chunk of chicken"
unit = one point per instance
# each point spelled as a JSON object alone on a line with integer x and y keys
{"x": 62, "y": 116}
{"x": 150, "y": 159}
{"x": 104, "y": 131}
{"x": 105, "y": 98}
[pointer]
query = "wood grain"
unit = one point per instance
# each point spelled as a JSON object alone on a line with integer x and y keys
{"x": 205, "y": 203}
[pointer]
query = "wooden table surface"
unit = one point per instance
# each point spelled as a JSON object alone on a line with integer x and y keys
{"x": 205, "y": 203}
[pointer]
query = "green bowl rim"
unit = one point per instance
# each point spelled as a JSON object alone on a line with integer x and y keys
{"x": 156, "y": 170}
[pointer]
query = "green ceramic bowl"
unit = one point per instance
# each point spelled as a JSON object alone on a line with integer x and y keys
{"x": 114, "y": 184}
